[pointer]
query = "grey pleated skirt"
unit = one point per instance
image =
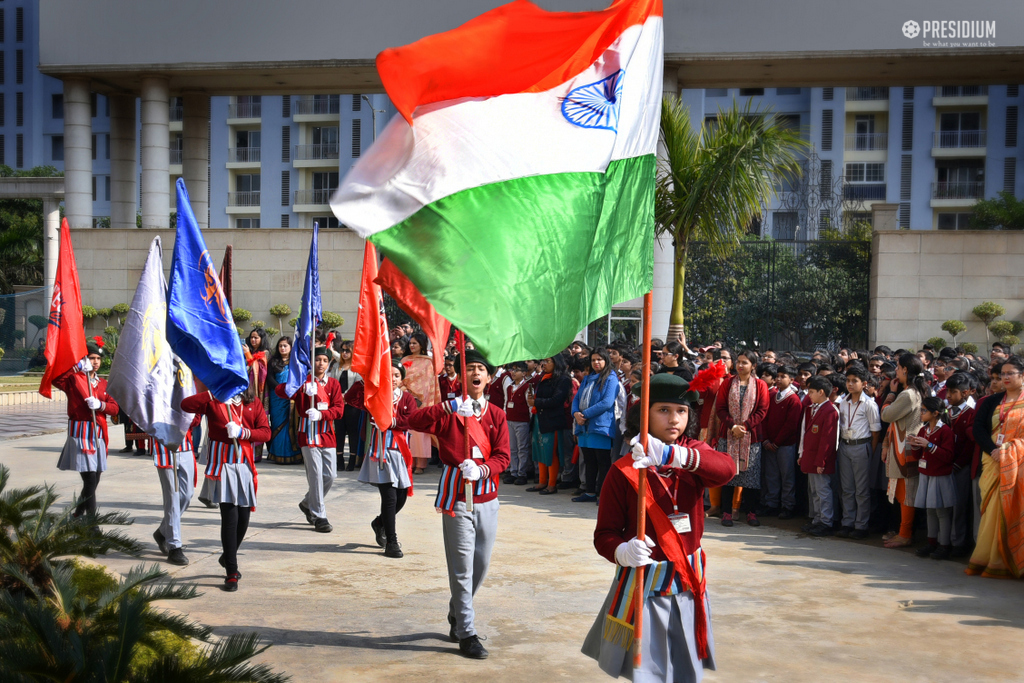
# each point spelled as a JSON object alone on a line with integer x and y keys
{"x": 394, "y": 471}
{"x": 235, "y": 486}
{"x": 935, "y": 492}
{"x": 73, "y": 459}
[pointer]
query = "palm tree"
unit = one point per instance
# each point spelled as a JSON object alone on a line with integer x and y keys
{"x": 713, "y": 181}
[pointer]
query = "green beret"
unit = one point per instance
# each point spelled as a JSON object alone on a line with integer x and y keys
{"x": 321, "y": 351}
{"x": 93, "y": 347}
{"x": 668, "y": 388}
{"x": 474, "y": 356}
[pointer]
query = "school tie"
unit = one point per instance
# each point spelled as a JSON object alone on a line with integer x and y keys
{"x": 476, "y": 407}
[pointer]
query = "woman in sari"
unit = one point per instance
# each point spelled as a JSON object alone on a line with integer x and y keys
{"x": 999, "y": 433}
{"x": 421, "y": 382}
{"x": 901, "y": 409}
{"x": 282, "y": 447}
{"x": 256, "y": 353}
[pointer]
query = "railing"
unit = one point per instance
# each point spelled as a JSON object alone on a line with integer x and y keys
{"x": 243, "y": 154}
{"x": 961, "y": 90}
{"x": 314, "y": 196}
{"x": 960, "y": 138}
{"x": 958, "y": 190}
{"x": 244, "y": 198}
{"x": 864, "y": 192}
{"x": 328, "y": 150}
{"x": 317, "y": 105}
{"x": 866, "y": 142}
{"x": 176, "y": 156}
{"x": 245, "y": 110}
{"x": 863, "y": 94}
{"x": 175, "y": 113}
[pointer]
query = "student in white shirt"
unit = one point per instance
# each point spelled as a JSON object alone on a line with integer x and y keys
{"x": 859, "y": 429}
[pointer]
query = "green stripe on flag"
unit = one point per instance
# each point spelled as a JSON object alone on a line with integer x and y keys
{"x": 523, "y": 265}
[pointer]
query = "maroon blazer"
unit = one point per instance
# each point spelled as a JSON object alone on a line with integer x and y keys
{"x": 937, "y": 461}
{"x": 782, "y": 425}
{"x": 821, "y": 439}
{"x": 335, "y": 400}
{"x": 757, "y": 415}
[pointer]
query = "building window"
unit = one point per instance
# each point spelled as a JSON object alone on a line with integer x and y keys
{"x": 751, "y": 92}
{"x": 286, "y": 188}
{"x": 57, "y": 148}
{"x": 716, "y": 92}
{"x": 93, "y": 100}
{"x": 19, "y": 109}
{"x": 784, "y": 225}
{"x": 106, "y": 146}
{"x": 285, "y": 220}
{"x": 249, "y": 182}
{"x": 788, "y": 91}
{"x": 247, "y": 222}
{"x": 826, "y": 130}
{"x": 357, "y": 103}
{"x": 286, "y": 143}
{"x": 1012, "y": 115}
{"x": 19, "y": 24}
{"x": 357, "y": 130}
{"x": 106, "y": 188}
{"x": 247, "y": 146}
{"x": 326, "y": 221}
{"x": 286, "y": 107}
{"x": 19, "y": 66}
{"x": 57, "y": 106}
{"x": 620, "y": 324}
{"x": 3, "y": 109}
{"x": 94, "y": 188}
{"x": 324, "y": 185}
{"x": 3, "y": 157}
{"x": 1, "y": 25}
{"x": 247, "y": 107}
{"x": 2, "y": 70}
{"x": 954, "y": 221}
{"x": 865, "y": 173}
{"x": 828, "y": 94}
{"x": 94, "y": 147}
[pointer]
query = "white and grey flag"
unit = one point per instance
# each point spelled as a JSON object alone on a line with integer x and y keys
{"x": 146, "y": 379}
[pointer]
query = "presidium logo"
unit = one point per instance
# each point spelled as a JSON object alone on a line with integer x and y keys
{"x": 952, "y": 33}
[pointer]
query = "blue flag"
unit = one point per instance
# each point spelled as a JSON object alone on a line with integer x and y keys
{"x": 200, "y": 327}
{"x": 301, "y": 362}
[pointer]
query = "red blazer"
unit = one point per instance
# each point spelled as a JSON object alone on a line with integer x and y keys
{"x": 516, "y": 408}
{"x": 332, "y": 395}
{"x": 451, "y": 441}
{"x": 707, "y": 403}
{"x": 255, "y": 426}
{"x": 821, "y": 439}
{"x": 757, "y": 415}
{"x": 495, "y": 391}
{"x": 937, "y": 462}
{"x": 963, "y": 438}
{"x": 402, "y": 410}
{"x": 616, "y": 515}
{"x": 450, "y": 388}
{"x": 75, "y": 385}
{"x": 782, "y": 424}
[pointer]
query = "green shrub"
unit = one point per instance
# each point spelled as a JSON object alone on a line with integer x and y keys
{"x": 330, "y": 321}
{"x": 938, "y": 342}
{"x": 271, "y": 331}
{"x": 969, "y": 347}
{"x": 241, "y": 315}
{"x": 257, "y": 323}
{"x": 88, "y": 312}
{"x": 1001, "y": 328}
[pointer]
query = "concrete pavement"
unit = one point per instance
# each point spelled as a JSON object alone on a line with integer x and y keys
{"x": 786, "y": 607}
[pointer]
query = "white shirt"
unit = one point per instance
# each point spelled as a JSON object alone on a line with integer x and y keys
{"x": 858, "y": 419}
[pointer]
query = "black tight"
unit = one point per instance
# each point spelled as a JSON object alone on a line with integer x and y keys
{"x": 597, "y": 462}
{"x": 392, "y": 501}
{"x": 234, "y": 522}
{"x": 87, "y": 500}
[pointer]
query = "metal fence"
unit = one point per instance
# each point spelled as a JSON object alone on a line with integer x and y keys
{"x": 22, "y": 326}
{"x": 788, "y": 296}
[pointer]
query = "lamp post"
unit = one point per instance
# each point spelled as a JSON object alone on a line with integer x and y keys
{"x": 373, "y": 114}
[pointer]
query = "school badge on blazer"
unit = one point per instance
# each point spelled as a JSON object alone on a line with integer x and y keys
{"x": 814, "y": 429}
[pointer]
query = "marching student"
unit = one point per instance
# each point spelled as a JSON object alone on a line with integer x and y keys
{"x": 85, "y": 450}
{"x": 961, "y": 420}
{"x": 319, "y": 403}
{"x": 234, "y": 427}
{"x": 387, "y": 464}
{"x": 677, "y": 641}
{"x": 859, "y": 430}
{"x": 468, "y": 535}
{"x": 818, "y": 440}
{"x": 934, "y": 448}
{"x": 178, "y": 472}
{"x": 781, "y": 436}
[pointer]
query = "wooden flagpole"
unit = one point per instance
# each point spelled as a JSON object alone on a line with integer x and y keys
{"x": 641, "y": 498}
{"x": 461, "y": 339}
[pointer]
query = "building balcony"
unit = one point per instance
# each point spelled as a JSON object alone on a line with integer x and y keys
{"x": 864, "y": 192}
{"x": 312, "y": 200}
{"x": 960, "y": 143}
{"x": 324, "y": 154}
{"x": 243, "y": 157}
{"x": 960, "y": 96}
{"x": 949, "y": 194}
{"x": 867, "y": 99}
{"x": 867, "y": 142}
{"x": 309, "y": 108}
{"x": 175, "y": 157}
{"x": 243, "y": 202}
{"x": 247, "y": 111}
{"x": 175, "y": 113}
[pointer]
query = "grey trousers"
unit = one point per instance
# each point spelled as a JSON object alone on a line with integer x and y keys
{"x": 939, "y": 523}
{"x": 778, "y": 473}
{"x": 320, "y": 470}
{"x": 821, "y": 498}
{"x": 176, "y": 502}
{"x": 855, "y": 480}
{"x": 468, "y": 540}
{"x": 963, "y": 512}
{"x": 520, "y": 448}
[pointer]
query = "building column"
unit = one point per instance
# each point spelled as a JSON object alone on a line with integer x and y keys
{"x": 195, "y": 156}
{"x": 51, "y": 246}
{"x": 123, "y": 188}
{"x": 77, "y": 153}
{"x": 156, "y": 150}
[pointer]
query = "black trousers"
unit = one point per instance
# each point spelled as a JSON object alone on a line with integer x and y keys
{"x": 234, "y": 522}
{"x": 392, "y": 501}
{"x": 597, "y": 462}
{"x": 750, "y": 499}
{"x": 87, "y": 501}
{"x": 348, "y": 427}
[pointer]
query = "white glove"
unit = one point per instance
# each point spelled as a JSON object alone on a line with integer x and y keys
{"x": 85, "y": 365}
{"x": 470, "y": 470}
{"x": 92, "y": 403}
{"x": 465, "y": 408}
{"x": 234, "y": 430}
{"x": 654, "y": 455}
{"x": 309, "y": 388}
{"x": 313, "y": 414}
{"x": 634, "y": 553}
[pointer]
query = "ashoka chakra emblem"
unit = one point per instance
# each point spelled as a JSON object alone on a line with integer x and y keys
{"x": 595, "y": 105}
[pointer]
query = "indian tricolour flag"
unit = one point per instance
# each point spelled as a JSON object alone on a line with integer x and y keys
{"x": 515, "y": 188}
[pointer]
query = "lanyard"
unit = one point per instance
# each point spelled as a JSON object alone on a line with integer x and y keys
{"x": 674, "y": 495}
{"x": 850, "y": 417}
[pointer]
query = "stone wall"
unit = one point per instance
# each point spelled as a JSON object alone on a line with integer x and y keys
{"x": 921, "y": 278}
{"x": 269, "y": 266}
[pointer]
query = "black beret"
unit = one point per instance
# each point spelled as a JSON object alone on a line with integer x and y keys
{"x": 474, "y": 356}
{"x": 668, "y": 388}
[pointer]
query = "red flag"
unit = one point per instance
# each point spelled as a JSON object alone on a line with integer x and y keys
{"x": 394, "y": 282}
{"x": 371, "y": 353}
{"x": 65, "y": 333}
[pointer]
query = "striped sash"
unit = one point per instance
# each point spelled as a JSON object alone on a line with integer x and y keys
{"x": 314, "y": 430}
{"x": 162, "y": 456}
{"x": 84, "y": 435}
{"x": 660, "y": 579}
{"x": 222, "y": 454}
{"x": 451, "y": 484}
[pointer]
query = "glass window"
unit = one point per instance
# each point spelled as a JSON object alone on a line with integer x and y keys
{"x": 787, "y": 91}
{"x": 854, "y": 173}
{"x": 874, "y": 173}
{"x": 715, "y": 92}
{"x": 751, "y": 92}
{"x": 326, "y": 221}
{"x": 57, "y": 148}
{"x": 57, "y": 106}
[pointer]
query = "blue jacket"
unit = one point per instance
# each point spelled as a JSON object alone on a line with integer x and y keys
{"x": 601, "y": 412}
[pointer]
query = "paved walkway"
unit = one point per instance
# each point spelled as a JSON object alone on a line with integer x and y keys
{"x": 33, "y": 418}
{"x": 786, "y": 607}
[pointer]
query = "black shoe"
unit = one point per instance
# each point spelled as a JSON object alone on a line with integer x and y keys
{"x": 520, "y": 481}
{"x": 177, "y": 557}
{"x": 394, "y": 549}
{"x": 507, "y": 479}
{"x": 378, "y": 531}
{"x": 562, "y": 485}
{"x": 821, "y": 530}
{"x": 231, "y": 583}
{"x": 224, "y": 564}
{"x": 161, "y": 541}
{"x": 207, "y": 502}
{"x": 786, "y": 514}
{"x": 309, "y": 515}
{"x": 806, "y": 528}
{"x": 547, "y": 492}
{"x": 471, "y": 647}
{"x": 322, "y": 526}
{"x": 961, "y": 550}
{"x": 126, "y": 449}
{"x": 451, "y": 631}
{"x": 941, "y": 553}
{"x": 926, "y": 550}
{"x": 858, "y": 535}
{"x": 351, "y": 466}
{"x": 844, "y": 532}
